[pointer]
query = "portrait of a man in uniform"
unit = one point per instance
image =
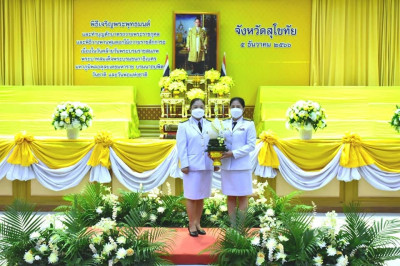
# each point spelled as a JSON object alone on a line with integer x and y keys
{"x": 195, "y": 42}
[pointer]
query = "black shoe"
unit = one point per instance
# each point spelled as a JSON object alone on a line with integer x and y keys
{"x": 201, "y": 232}
{"x": 194, "y": 234}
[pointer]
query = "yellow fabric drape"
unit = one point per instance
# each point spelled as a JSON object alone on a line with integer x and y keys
{"x": 353, "y": 153}
{"x": 61, "y": 153}
{"x": 142, "y": 155}
{"x": 101, "y": 151}
{"x": 5, "y": 148}
{"x": 267, "y": 155}
{"x": 311, "y": 155}
{"x": 36, "y": 42}
{"x": 355, "y": 42}
{"x": 385, "y": 153}
{"x": 22, "y": 153}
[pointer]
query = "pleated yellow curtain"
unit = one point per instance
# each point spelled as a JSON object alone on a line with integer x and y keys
{"x": 355, "y": 42}
{"x": 36, "y": 42}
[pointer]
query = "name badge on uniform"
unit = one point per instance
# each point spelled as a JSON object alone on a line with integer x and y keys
{"x": 242, "y": 129}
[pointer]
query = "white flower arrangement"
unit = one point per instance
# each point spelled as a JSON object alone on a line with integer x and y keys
{"x": 212, "y": 75}
{"x": 195, "y": 93}
{"x": 178, "y": 75}
{"x": 395, "y": 122}
{"x": 305, "y": 114}
{"x": 70, "y": 115}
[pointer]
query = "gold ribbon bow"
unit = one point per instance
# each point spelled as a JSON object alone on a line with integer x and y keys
{"x": 22, "y": 153}
{"x": 353, "y": 153}
{"x": 101, "y": 151}
{"x": 267, "y": 155}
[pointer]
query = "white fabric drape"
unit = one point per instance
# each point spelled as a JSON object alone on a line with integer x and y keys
{"x": 68, "y": 177}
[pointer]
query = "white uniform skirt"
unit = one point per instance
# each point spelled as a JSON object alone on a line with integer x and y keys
{"x": 236, "y": 182}
{"x": 197, "y": 184}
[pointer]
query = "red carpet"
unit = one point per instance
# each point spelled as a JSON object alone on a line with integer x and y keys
{"x": 186, "y": 249}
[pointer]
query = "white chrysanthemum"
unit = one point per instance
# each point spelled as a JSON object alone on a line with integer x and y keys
{"x": 54, "y": 238}
{"x": 207, "y": 212}
{"x": 28, "y": 257}
{"x": 331, "y": 251}
{"x": 260, "y": 258}
{"x": 255, "y": 241}
{"x": 64, "y": 115}
{"x": 37, "y": 257}
{"x": 153, "y": 218}
{"x": 318, "y": 261}
{"x": 270, "y": 212}
{"x": 53, "y": 258}
{"x": 99, "y": 210}
{"x": 96, "y": 258}
{"x": 121, "y": 253}
{"x": 108, "y": 248}
{"x": 34, "y": 235}
{"x": 342, "y": 261}
{"x": 213, "y": 218}
{"x": 223, "y": 208}
{"x": 283, "y": 238}
{"x": 78, "y": 112}
{"x": 121, "y": 240}
{"x": 281, "y": 256}
{"x": 161, "y": 209}
{"x": 321, "y": 244}
{"x": 313, "y": 116}
{"x": 271, "y": 243}
{"x": 43, "y": 248}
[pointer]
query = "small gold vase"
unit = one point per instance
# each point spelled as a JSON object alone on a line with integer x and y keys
{"x": 216, "y": 157}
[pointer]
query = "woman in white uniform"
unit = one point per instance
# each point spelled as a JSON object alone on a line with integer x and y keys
{"x": 236, "y": 170}
{"x": 196, "y": 166}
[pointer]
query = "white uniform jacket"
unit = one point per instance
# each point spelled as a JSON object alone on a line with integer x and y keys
{"x": 192, "y": 143}
{"x": 241, "y": 141}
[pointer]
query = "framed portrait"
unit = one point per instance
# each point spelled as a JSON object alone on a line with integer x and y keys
{"x": 196, "y": 42}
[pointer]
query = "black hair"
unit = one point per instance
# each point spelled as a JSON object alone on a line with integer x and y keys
{"x": 195, "y": 100}
{"x": 240, "y": 100}
{"x": 197, "y": 18}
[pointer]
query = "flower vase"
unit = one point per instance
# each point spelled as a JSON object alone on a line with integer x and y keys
{"x": 176, "y": 94}
{"x": 73, "y": 133}
{"x": 305, "y": 134}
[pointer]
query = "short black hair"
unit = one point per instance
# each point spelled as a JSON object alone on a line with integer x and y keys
{"x": 195, "y": 100}
{"x": 197, "y": 19}
{"x": 239, "y": 99}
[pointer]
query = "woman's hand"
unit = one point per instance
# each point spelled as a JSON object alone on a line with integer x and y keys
{"x": 216, "y": 168}
{"x": 185, "y": 170}
{"x": 227, "y": 154}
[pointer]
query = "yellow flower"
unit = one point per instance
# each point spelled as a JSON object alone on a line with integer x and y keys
{"x": 67, "y": 120}
{"x": 130, "y": 252}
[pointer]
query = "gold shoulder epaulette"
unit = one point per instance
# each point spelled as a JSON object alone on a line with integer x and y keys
{"x": 184, "y": 121}
{"x": 247, "y": 119}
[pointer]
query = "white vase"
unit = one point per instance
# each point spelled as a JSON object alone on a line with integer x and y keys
{"x": 305, "y": 134}
{"x": 73, "y": 133}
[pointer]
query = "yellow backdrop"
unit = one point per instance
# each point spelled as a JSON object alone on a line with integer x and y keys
{"x": 250, "y": 67}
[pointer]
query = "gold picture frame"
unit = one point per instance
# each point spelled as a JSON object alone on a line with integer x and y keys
{"x": 203, "y": 59}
